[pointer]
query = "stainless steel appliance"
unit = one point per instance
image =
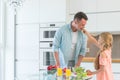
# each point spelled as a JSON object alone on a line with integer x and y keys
{"x": 47, "y": 32}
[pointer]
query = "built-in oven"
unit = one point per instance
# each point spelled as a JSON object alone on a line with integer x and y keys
{"x": 47, "y": 32}
{"x": 46, "y": 58}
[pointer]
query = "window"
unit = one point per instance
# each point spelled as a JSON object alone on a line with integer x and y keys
{"x": 1, "y": 29}
{"x": 1, "y": 40}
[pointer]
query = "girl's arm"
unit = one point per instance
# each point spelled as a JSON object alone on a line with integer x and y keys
{"x": 89, "y": 72}
{"x": 99, "y": 70}
{"x": 102, "y": 66}
{"x": 91, "y": 38}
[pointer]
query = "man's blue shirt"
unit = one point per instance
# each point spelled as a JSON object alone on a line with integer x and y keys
{"x": 63, "y": 42}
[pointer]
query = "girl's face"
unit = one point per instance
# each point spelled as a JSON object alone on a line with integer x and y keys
{"x": 100, "y": 41}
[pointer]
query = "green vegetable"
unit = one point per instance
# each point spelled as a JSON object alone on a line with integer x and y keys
{"x": 51, "y": 71}
{"x": 80, "y": 72}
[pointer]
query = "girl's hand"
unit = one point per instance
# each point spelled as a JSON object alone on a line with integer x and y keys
{"x": 89, "y": 72}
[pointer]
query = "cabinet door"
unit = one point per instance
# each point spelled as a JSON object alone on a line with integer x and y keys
{"x": 116, "y": 70}
{"x": 27, "y": 70}
{"x": 27, "y": 52}
{"x": 28, "y": 12}
{"x": 91, "y": 23}
{"x": 27, "y": 41}
{"x": 52, "y": 10}
{"x": 108, "y": 5}
{"x": 115, "y": 67}
{"x": 108, "y": 21}
{"x": 82, "y": 5}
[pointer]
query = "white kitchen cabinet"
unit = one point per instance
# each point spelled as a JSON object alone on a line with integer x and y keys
{"x": 29, "y": 12}
{"x": 116, "y": 70}
{"x": 27, "y": 52}
{"x": 91, "y": 23}
{"x": 91, "y": 6}
{"x": 108, "y": 21}
{"x": 108, "y": 5}
{"x": 116, "y": 67}
{"x": 82, "y": 5}
{"x": 27, "y": 41}
{"x": 39, "y": 11}
{"x": 27, "y": 70}
{"x": 103, "y": 15}
{"x": 52, "y": 11}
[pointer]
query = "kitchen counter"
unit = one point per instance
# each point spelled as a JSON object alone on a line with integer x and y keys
{"x": 45, "y": 76}
{"x": 91, "y": 59}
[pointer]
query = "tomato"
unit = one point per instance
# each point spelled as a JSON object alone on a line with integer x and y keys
{"x": 64, "y": 70}
{"x": 49, "y": 67}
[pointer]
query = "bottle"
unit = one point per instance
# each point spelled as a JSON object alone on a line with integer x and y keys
{"x": 68, "y": 74}
{"x": 59, "y": 73}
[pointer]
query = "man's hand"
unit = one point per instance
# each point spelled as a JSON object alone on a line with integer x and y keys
{"x": 58, "y": 65}
{"x": 80, "y": 57}
{"x": 57, "y": 59}
{"x": 76, "y": 65}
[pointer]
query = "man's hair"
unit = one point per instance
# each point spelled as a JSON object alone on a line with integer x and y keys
{"x": 80, "y": 15}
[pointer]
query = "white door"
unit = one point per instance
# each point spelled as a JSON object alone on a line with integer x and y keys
{"x": 27, "y": 52}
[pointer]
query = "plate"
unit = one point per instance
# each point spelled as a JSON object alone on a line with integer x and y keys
{"x": 86, "y": 78}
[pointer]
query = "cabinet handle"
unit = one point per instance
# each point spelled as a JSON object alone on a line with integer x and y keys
{"x": 51, "y": 44}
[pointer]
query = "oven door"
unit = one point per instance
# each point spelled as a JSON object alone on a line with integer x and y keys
{"x": 46, "y": 58}
{"x": 47, "y": 34}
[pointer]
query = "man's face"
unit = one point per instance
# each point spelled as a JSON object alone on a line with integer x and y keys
{"x": 80, "y": 24}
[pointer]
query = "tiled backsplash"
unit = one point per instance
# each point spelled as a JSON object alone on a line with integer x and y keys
{"x": 115, "y": 50}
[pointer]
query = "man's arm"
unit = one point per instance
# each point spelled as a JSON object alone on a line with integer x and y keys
{"x": 82, "y": 51}
{"x": 56, "y": 46}
{"x": 57, "y": 59}
{"x": 80, "y": 57}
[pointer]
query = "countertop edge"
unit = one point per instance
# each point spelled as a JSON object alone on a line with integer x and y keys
{"x": 91, "y": 59}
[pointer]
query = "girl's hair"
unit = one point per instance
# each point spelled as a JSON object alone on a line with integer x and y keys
{"x": 107, "y": 44}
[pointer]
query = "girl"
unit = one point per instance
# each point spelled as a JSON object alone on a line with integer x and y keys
{"x": 103, "y": 60}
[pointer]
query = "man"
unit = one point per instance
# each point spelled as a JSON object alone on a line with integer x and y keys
{"x": 70, "y": 42}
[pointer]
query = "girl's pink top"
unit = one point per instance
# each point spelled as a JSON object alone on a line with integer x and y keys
{"x": 106, "y": 61}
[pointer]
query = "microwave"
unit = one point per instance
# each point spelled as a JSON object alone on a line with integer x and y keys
{"x": 48, "y": 30}
{"x": 47, "y": 34}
